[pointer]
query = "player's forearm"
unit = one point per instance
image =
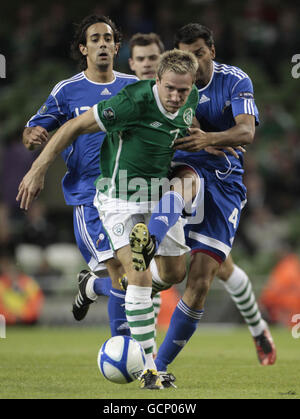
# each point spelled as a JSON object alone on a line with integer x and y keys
{"x": 59, "y": 141}
{"x": 238, "y": 135}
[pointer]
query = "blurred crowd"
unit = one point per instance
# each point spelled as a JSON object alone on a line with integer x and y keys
{"x": 260, "y": 36}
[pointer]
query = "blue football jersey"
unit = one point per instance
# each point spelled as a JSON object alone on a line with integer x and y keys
{"x": 229, "y": 93}
{"x": 68, "y": 99}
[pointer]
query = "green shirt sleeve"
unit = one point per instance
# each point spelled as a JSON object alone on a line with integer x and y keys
{"x": 116, "y": 113}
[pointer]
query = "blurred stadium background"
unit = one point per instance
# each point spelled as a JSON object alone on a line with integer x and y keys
{"x": 260, "y": 36}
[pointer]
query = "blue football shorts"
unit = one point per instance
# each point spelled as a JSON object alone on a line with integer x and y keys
{"x": 213, "y": 218}
{"x": 91, "y": 237}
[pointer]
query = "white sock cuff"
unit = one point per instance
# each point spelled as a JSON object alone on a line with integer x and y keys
{"x": 237, "y": 280}
{"x": 137, "y": 294}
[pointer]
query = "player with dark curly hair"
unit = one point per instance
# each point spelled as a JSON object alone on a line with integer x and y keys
{"x": 95, "y": 45}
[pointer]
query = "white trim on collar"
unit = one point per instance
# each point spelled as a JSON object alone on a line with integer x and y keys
{"x": 211, "y": 77}
{"x": 100, "y": 84}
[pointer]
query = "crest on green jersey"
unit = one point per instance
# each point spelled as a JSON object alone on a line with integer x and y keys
{"x": 108, "y": 114}
{"x": 188, "y": 116}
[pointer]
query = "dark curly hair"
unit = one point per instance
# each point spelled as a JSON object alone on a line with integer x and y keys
{"x": 191, "y": 32}
{"x": 80, "y": 36}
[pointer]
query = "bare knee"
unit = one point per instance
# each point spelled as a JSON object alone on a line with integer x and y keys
{"x": 171, "y": 269}
{"x": 226, "y": 269}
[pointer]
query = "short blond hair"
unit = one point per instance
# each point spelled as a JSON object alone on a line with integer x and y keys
{"x": 180, "y": 62}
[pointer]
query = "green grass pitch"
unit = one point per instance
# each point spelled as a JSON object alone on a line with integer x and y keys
{"x": 59, "y": 363}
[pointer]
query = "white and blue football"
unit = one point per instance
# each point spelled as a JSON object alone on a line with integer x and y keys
{"x": 121, "y": 359}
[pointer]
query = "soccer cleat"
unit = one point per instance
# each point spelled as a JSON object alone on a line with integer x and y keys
{"x": 150, "y": 380}
{"x": 142, "y": 247}
{"x": 82, "y": 302}
{"x": 265, "y": 347}
{"x": 167, "y": 379}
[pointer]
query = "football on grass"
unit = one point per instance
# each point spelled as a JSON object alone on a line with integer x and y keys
{"x": 121, "y": 359}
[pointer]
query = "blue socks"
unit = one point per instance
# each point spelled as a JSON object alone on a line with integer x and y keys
{"x": 182, "y": 326}
{"x": 165, "y": 214}
{"x": 116, "y": 312}
{"x": 102, "y": 286}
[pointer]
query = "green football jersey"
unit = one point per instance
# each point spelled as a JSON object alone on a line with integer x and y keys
{"x": 140, "y": 133}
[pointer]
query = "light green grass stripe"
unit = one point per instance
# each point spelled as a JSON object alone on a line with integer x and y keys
{"x": 140, "y": 323}
{"x": 139, "y": 311}
{"x": 145, "y": 336}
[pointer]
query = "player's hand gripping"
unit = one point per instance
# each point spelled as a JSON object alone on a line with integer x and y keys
{"x": 196, "y": 141}
{"x": 30, "y": 187}
{"x": 201, "y": 140}
{"x": 35, "y": 136}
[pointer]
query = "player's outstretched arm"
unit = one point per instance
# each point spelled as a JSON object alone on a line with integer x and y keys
{"x": 240, "y": 134}
{"x": 33, "y": 182}
{"x": 34, "y": 137}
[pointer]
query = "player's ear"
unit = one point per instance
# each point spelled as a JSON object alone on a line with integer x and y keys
{"x": 213, "y": 52}
{"x": 83, "y": 49}
{"x": 131, "y": 64}
{"x": 117, "y": 48}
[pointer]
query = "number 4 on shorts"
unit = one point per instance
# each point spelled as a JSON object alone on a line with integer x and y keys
{"x": 234, "y": 217}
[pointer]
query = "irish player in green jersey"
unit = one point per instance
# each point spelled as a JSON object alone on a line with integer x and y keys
{"x": 142, "y": 122}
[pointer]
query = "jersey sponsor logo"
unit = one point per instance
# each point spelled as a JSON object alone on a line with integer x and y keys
{"x": 188, "y": 116}
{"x": 108, "y": 114}
{"x": 204, "y": 99}
{"x": 246, "y": 95}
{"x": 105, "y": 92}
{"x": 155, "y": 124}
{"x": 118, "y": 229}
{"x": 43, "y": 109}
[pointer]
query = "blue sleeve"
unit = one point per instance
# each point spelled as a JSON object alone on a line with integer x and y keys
{"x": 52, "y": 114}
{"x": 242, "y": 99}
